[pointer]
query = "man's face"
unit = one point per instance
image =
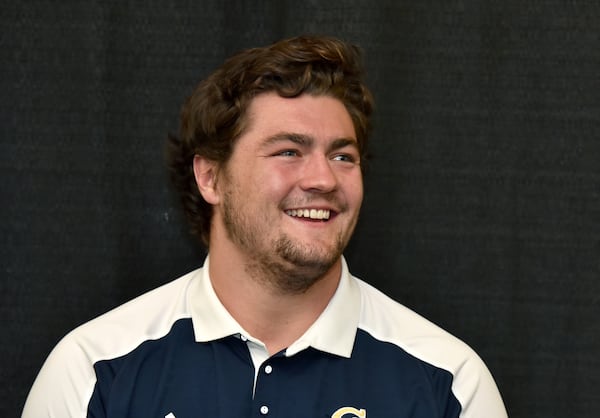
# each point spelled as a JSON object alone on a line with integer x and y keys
{"x": 292, "y": 189}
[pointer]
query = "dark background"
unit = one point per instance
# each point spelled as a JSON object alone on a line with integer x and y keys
{"x": 482, "y": 207}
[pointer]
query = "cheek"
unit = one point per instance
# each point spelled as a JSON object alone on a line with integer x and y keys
{"x": 277, "y": 182}
{"x": 354, "y": 189}
{"x": 258, "y": 180}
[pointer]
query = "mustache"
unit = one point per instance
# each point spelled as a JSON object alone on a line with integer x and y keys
{"x": 329, "y": 201}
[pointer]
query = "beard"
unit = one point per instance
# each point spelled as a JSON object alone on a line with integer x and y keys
{"x": 282, "y": 263}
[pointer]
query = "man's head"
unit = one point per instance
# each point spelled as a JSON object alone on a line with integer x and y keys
{"x": 216, "y": 114}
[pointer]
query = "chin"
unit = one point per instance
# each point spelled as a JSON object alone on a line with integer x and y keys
{"x": 293, "y": 267}
{"x": 318, "y": 259}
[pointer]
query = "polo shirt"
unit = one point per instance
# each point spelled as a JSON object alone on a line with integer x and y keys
{"x": 176, "y": 352}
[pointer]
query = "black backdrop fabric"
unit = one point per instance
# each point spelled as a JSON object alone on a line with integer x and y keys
{"x": 482, "y": 208}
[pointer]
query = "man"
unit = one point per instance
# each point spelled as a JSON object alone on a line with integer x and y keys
{"x": 269, "y": 168}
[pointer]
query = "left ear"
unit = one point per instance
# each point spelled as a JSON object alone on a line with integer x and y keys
{"x": 205, "y": 172}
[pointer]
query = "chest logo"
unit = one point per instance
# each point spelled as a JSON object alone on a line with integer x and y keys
{"x": 355, "y": 413}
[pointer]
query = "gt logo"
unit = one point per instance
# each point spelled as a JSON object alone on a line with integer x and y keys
{"x": 358, "y": 413}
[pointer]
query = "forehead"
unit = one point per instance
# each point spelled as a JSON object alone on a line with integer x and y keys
{"x": 322, "y": 117}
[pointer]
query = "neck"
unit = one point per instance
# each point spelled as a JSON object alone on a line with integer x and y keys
{"x": 273, "y": 315}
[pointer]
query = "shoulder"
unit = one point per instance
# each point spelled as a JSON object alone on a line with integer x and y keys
{"x": 66, "y": 381}
{"x": 147, "y": 317}
{"x": 388, "y": 321}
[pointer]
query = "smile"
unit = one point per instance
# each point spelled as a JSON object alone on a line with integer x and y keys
{"x": 321, "y": 214}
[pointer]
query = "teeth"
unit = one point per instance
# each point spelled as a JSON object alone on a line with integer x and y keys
{"x": 309, "y": 213}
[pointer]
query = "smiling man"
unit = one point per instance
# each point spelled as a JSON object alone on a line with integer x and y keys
{"x": 268, "y": 164}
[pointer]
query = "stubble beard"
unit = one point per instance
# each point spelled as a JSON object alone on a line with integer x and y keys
{"x": 285, "y": 265}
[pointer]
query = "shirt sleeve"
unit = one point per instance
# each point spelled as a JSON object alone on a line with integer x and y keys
{"x": 477, "y": 392}
{"x": 64, "y": 385}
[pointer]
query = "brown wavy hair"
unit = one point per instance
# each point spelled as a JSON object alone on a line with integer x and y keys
{"x": 214, "y": 116}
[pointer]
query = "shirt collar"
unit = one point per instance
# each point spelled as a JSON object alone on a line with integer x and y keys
{"x": 210, "y": 318}
{"x": 333, "y": 331}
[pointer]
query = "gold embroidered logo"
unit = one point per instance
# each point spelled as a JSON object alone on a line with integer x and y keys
{"x": 356, "y": 413}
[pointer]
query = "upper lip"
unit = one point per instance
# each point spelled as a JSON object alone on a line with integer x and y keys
{"x": 331, "y": 208}
{"x": 311, "y": 207}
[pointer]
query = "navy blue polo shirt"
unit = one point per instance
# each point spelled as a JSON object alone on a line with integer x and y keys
{"x": 176, "y": 352}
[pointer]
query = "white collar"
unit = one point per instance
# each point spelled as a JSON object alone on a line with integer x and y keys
{"x": 333, "y": 331}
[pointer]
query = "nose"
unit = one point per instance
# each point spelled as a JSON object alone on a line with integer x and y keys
{"x": 318, "y": 175}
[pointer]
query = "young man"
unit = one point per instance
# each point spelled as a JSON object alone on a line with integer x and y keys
{"x": 269, "y": 169}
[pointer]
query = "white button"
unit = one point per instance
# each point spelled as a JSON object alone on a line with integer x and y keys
{"x": 264, "y": 410}
{"x": 243, "y": 337}
{"x": 268, "y": 369}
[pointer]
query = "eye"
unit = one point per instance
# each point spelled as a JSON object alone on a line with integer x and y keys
{"x": 349, "y": 158}
{"x": 287, "y": 153}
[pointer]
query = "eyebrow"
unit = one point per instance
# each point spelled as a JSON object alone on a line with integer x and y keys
{"x": 296, "y": 138}
{"x": 307, "y": 140}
